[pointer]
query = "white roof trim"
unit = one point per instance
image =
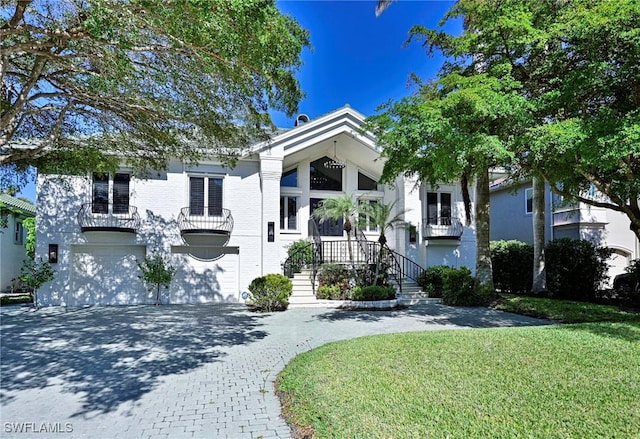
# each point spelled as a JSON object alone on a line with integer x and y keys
{"x": 344, "y": 120}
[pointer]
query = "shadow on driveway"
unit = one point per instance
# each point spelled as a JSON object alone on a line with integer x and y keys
{"x": 433, "y": 312}
{"x": 111, "y": 355}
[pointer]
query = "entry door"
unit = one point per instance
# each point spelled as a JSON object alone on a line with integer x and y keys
{"x": 328, "y": 227}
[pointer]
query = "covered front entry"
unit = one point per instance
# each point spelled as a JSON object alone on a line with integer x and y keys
{"x": 103, "y": 274}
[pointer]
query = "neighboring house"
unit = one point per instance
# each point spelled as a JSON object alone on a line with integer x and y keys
{"x": 12, "y": 238}
{"x": 511, "y": 218}
{"x": 222, "y": 227}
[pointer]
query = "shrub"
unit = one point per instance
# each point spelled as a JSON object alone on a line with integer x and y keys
{"x": 431, "y": 280}
{"x": 457, "y": 288}
{"x": 299, "y": 255}
{"x": 35, "y": 273}
{"x": 512, "y": 263}
{"x": 373, "y": 292}
{"x": 575, "y": 268}
{"x": 270, "y": 292}
{"x": 329, "y": 292}
{"x": 335, "y": 274}
{"x": 156, "y": 272}
{"x": 628, "y": 285}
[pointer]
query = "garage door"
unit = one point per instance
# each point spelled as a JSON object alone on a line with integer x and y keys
{"x": 618, "y": 261}
{"x": 205, "y": 281}
{"x": 106, "y": 275}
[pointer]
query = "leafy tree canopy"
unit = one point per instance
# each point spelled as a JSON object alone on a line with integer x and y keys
{"x": 88, "y": 83}
{"x": 578, "y": 64}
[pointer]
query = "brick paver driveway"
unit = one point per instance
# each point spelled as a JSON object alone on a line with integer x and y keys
{"x": 176, "y": 371}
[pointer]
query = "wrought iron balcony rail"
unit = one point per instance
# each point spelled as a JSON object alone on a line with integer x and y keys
{"x": 205, "y": 221}
{"x": 108, "y": 217}
{"x": 447, "y": 228}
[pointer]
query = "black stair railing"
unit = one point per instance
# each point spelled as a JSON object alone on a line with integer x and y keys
{"x": 318, "y": 252}
{"x": 303, "y": 257}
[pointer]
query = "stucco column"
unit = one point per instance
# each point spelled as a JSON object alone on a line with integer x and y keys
{"x": 270, "y": 173}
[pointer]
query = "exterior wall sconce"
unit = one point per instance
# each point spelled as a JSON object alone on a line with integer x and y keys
{"x": 53, "y": 253}
{"x": 413, "y": 234}
{"x": 271, "y": 231}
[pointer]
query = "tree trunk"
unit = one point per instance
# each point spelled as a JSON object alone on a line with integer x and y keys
{"x": 484, "y": 272}
{"x": 539, "y": 285}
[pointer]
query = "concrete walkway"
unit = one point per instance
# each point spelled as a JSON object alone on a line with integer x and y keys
{"x": 176, "y": 371}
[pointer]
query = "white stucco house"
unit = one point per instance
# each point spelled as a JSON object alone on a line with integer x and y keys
{"x": 13, "y": 212}
{"x": 222, "y": 227}
{"x": 511, "y": 218}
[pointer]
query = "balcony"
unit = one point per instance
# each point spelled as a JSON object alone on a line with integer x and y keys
{"x": 205, "y": 221}
{"x": 108, "y": 217}
{"x": 446, "y": 228}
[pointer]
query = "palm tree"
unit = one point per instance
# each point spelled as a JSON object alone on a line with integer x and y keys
{"x": 381, "y": 216}
{"x": 342, "y": 207}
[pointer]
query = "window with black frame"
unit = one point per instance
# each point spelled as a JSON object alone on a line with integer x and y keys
{"x": 327, "y": 227}
{"x": 205, "y": 188}
{"x": 323, "y": 178}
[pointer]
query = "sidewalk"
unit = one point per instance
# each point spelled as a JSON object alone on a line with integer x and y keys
{"x": 179, "y": 371}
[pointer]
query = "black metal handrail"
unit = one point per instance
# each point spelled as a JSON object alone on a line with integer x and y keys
{"x": 447, "y": 228}
{"x": 303, "y": 257}
{"x": 108, "y": 217}
{"x": 336, "y": 252}
{"x": 399, "y": 267}
{"x": 205, "y": 220}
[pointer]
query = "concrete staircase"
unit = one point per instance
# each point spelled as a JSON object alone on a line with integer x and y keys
{"x": 411, "y": 293}
{"x": 302, "y": 295}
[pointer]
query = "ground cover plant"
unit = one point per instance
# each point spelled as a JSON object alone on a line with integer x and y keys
{"x": 556, "y": 381}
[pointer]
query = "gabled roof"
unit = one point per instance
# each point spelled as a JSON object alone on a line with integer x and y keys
{"x": 17, "y": 204}
{"x": 344, "y": 120}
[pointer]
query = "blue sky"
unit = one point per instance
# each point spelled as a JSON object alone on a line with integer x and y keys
{"x": 357, "y": 58}
{"x": 360, "y": 59}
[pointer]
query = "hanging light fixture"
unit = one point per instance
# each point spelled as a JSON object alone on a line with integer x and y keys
{"x": 334, "y": 163}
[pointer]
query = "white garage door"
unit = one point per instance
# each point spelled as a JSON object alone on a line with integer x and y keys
{"x": 201, "y": 281}
{"x": 106, "y": 275}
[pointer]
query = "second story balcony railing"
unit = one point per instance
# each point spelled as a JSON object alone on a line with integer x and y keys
{"x": 205, "y": 221}
{"x": 108, "y": 217}
{"x": 445, "y": 228}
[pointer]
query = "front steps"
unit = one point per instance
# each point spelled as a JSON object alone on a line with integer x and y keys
{"x": 302, "y": 295}
{"x": 411, "y": 293}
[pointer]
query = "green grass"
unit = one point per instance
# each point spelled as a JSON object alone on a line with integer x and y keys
{"x": 565, "y": 311}
{"x": 15, "y": 299}
{"x": 574, "y": 381}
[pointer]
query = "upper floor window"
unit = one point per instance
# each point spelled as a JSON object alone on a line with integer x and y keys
{"x": 528, "y": 200}
{"x": 366, "y": 183}
{"x": 323, "y": 178}
{"x": 110, "y": 190}
{"x": 18, "y": 233}
{"x": 365, "y": 222}
{"x": 290, "y": 178}
{"x": 439, "y": 208}
{"x": 205, "y": 194}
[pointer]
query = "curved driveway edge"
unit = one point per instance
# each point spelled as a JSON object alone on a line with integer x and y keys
{"x": 182, "y": 371}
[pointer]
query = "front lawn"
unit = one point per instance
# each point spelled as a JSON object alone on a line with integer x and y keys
{"x": 566, "y": 311}
{"x": 564, "y": 381}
